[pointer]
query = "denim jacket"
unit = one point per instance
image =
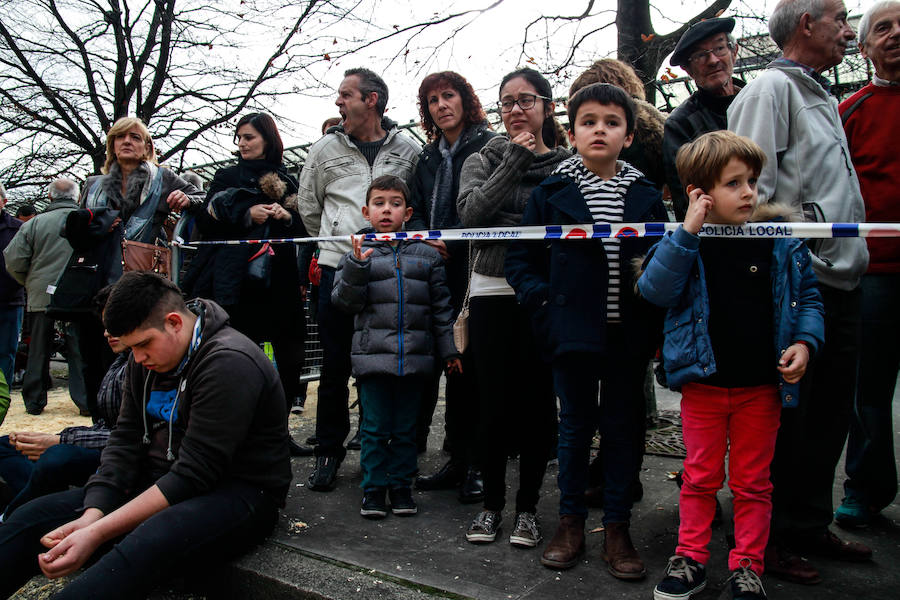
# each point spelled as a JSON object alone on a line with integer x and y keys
{"x": 673, "y": 277}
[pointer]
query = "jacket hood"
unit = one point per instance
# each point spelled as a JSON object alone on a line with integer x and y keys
{"x": 774, "y": 211}
{"x": 214, "y": 316}
{"x": 648, "y": 126}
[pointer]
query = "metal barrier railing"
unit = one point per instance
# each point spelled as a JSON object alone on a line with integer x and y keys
{"x": 312, "y": 364}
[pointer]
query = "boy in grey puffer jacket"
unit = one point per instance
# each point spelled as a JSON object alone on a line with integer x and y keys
{"x": 399, "y": 294}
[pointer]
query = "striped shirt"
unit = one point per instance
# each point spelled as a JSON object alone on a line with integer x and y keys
{"x": 605, "y": 198}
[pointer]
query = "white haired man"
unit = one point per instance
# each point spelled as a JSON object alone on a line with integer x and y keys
{"x": 872, "y": 123}
{"x": 789, "y": 111}
{"x": 35, "y": 258}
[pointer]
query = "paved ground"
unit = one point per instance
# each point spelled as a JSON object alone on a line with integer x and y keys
{"x": 322, "y": 548}
{"x": 429, "y": 554}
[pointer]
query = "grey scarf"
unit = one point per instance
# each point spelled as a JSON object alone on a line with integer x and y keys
{"x": 441, "y": 199}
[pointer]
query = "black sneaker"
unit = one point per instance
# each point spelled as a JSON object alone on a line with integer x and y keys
{"x": 485, "y": 527}
{"x": 684, "y": 578}
{"x": 373, "y": 504}
{"x": 322, "y": 479}
{"x": 745, "y": 585}
{"x": 402, "y": 502}
{"x": 527, "y": 533}
{"x": 298, "y": 405}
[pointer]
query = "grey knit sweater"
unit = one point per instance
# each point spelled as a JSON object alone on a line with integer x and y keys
{"x": 494, "y": 188}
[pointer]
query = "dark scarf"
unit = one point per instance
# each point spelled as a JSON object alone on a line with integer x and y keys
{"x": 443, "y": 204}
{"x": 112, "y": 187}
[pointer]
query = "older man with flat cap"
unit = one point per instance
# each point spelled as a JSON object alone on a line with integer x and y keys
{"x": 707, "y": 52}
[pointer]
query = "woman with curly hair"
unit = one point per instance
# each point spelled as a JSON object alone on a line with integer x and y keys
{"x": 455, "y": 124}
{"x": 257, "y": 284}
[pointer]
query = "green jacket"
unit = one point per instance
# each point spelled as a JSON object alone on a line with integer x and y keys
{"x": 38, "y": 253}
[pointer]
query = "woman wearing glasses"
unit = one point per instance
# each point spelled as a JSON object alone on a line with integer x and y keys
{"x": 514, "y": 385}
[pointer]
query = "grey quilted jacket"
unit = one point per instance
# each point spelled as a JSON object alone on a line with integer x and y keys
{"x": 402, "y": 306}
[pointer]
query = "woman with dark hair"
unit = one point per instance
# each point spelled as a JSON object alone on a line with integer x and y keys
{"x": 514, "y": 384}
{"x": 257, "y": 284}
{"x": 455, "y": 124}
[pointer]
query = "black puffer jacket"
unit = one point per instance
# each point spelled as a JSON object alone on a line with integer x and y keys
{"x": 220, "y": 272}
{"x": 402, "y": 307}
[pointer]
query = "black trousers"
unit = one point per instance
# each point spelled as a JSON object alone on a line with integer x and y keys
{"x": 335, "y": 336}
{"x": 518, "y": 409}
{"x": 812, "y": 435}
{"x": 196, "y": 534}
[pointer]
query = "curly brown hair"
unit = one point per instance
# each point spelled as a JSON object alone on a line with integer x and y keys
{"x": 610, "y": 70}
{"x": 473, "y": 113}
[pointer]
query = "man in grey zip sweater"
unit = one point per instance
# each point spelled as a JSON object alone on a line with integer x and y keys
{"x": 790, "y": 112}
{"x": 333, "y": 185}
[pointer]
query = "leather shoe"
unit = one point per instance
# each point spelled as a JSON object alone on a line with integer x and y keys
{"x": 298, "y": 450}
{"x": 788, "y": 566}
{"x": 618, "y": 550}
{"x": 322, "y": 478}
{"x": 355, "y": 442}
{"x": 447, "y": 477}
{"x": 831, "y": 546}
{"x": 567, "y": 544}
{"x": 472, "y": 488}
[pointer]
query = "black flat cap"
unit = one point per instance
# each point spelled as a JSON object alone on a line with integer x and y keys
{"x": 697, "y": 33}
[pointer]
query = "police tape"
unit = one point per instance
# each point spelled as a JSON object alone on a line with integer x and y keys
{"x": 594, "y": 231}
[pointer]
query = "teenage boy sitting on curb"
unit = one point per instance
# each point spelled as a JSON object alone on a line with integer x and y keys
{"x": 194, "y": 472}
{"x": 399, "y": 294}
{"x": 591, "y": 323}
{"x": 743, "y": 318}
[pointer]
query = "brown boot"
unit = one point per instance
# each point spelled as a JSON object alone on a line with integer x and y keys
{"x": 618, "y": 551}
{"x": 567, "y": 544}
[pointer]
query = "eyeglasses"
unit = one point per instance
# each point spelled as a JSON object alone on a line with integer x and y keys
{"x": 718, "y": 52}
{"x": 525, "y": 102}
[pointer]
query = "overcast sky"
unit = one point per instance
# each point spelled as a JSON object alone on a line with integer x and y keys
{"x": 483, "y": 52}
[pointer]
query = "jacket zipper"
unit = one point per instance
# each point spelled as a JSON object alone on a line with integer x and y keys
{"x": 396, "y": 252}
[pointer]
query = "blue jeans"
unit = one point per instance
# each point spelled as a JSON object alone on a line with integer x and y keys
{"x": 57, "y": 468}
{"x": 620, "y": 415}
{"x": 871, "y": 469}
{"x": 10, "y": 326}
{"x": 391, "y": 405}
{"x": 335, "y": 335}
{"x": 193, "y": 535}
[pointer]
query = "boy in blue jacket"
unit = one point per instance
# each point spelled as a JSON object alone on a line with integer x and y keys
{"x": 589, "y": 321}
{"x": 399, "y": 294}
{"x": 744, "y": 317}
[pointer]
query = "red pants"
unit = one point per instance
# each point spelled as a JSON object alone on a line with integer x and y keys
{"x": 711, "y": 419}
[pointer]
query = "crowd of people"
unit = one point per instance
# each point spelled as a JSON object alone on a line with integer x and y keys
{"x": 782, "y": 349}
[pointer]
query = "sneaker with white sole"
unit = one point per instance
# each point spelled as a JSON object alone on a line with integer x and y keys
{"x": 373, "y": 504}
{"x": 484, "y": 528}
{"x": 402, "y": 502}
{"x": 684, "y": 578}
{"x": 745, "y": 585}
{"x": 527, "y": 532}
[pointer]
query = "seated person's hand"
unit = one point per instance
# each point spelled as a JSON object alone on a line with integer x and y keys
{"x": 32, "y": 444}
{"x": 792, "y": 364}
{"x": 260, "y": 213}
{"x": 70, "y": 545}
{"x": 454, "y": 365}
{"x": 699, "y": 205}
